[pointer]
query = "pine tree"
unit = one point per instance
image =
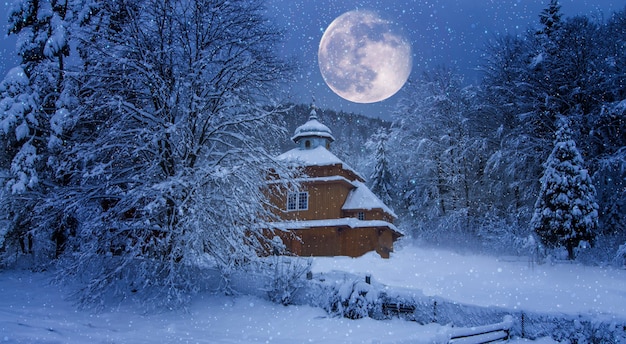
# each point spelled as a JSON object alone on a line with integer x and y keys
{"x": 566, "y": 212}
{"x": 550, "y": 19}
{"x": 32, "y": 109}
{"x": 381, "y": 179}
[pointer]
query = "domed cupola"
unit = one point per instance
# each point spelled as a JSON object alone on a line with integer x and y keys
{"x": 313, "y": 134}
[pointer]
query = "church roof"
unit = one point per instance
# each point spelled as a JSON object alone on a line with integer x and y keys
{"x": 318, "y": 156}
{"x": 361, "y": 197}
{"x": 312, "y": 127}
{"x": 344, "y": 221}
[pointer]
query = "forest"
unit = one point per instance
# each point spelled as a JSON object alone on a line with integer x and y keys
{"x": 137, "y": 136}
{"x": 530, "y": 160}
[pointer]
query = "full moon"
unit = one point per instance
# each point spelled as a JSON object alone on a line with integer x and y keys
{"x": 362, "y": 59}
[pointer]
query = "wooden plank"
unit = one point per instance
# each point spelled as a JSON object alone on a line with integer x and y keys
{"x": 468, "y": 331}
{"x": 487, "y": 337}
{"x": 482, "y": 334}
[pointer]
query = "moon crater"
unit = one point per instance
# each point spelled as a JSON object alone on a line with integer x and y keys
{"x": 362, "y": 59}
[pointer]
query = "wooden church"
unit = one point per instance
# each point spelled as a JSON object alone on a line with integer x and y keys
{"x": 333, "y": 213}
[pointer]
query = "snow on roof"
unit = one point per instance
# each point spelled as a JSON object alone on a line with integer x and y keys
{"x": 316, "y": 179}
{"x": 318, "y": 156}
{"x": 345, "y": 221}
{"x": 361, "y": 197}
{"x": 313, "y": 127}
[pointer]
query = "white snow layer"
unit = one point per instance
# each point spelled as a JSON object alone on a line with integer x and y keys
{"x": 33, "y": 311}
{"x": 313, "y": 127}
{"x": 318, "y": 156}
{"x": 344, "y": 221}
{"x": 363, "y": 198}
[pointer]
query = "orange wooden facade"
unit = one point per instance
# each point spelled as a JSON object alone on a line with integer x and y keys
{"x": 342, "y": 217}
{"x": 338, "y": 241}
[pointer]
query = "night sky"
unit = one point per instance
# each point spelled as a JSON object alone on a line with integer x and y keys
{"x": 442, "y": 32}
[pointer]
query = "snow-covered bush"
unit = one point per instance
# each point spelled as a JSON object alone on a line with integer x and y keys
{"x": 499, "y": 236}
{"x": 354, "y": 300}
{"x": 286, "y": 277}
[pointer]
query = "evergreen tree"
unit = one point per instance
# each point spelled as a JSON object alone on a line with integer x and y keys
{"x": 550, "y": 19}
{"x": 32, "y": 109}
{"x": 381, "y": 179}
{"x": 566, "y": 211}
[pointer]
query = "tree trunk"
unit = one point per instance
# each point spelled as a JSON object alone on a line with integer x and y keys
{"x": 570, "y": 251}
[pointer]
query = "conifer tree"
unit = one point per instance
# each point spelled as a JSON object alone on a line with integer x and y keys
{"x": 550, "y": 18}
{"x": 566, "y": 212}
{"x": 33, "y": 112}
{"x": 381, "y": 178}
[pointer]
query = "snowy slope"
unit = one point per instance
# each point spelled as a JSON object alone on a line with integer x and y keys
{"x": 485, "y": 281}
{"x": 33, "y": 311}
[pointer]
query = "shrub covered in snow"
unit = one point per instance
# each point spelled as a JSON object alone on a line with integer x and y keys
{"x": 286, "y": 277}
{"x": 353, "y": 300}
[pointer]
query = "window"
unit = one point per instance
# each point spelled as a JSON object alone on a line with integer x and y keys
{"x": 292, "y": 201}
{"x": 297, "y": 201}
{"x": 303, "y": 201}
{"x": 361, "y": 215}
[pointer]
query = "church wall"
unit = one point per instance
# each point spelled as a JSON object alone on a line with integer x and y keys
{"x": 370, "y": 214}
{"x": 338, "y": 241}
{"x": 330, "y": 170}
{"x": 320, "y": 242}
{"x": 358, "y": 241}
{"x": 385, "y": 243}
{"x": 325, "y": 201}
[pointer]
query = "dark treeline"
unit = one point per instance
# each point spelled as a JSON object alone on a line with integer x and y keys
{"x": 468, "y": 161}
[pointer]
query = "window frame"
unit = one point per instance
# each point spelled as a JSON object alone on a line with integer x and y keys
{"x": 292, "y": 201}
{"x": 297, "y": 201}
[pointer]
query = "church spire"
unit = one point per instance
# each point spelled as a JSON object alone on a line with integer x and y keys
{"x": 313, "y": 134}
{"x": 313, "y": 113}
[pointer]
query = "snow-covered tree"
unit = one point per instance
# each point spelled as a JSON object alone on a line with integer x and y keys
{"x": 31, "y": 111}
{"x": 435, "y": 158}
{"x": 566, "y": 212}
{"x": 550, "y": 19}
{"x": 529, "y": 79}
{"x": 165, "y": 163}
{"x": 607, "y": 147}
{"x": 381, "y": 180}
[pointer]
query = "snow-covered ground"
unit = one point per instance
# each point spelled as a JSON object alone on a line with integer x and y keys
{"x": 33, "y": 311}
{"x": 510, "y": 282}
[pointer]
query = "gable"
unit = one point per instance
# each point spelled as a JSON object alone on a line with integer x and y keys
{"x": 362, "y": 198}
